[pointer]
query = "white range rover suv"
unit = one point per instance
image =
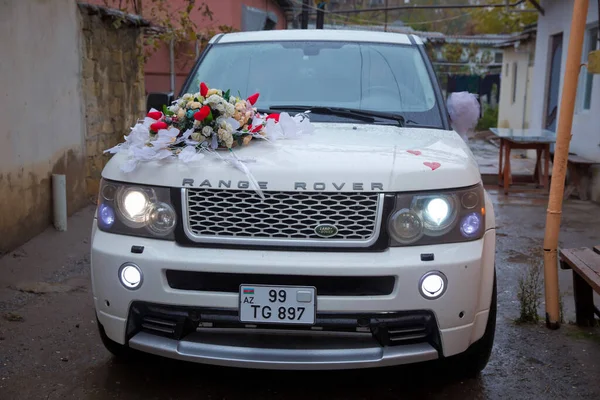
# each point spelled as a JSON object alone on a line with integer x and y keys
{"x": 373, "y": 245}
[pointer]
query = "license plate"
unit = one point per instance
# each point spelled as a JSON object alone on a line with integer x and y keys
{"x": 278, "y": 304}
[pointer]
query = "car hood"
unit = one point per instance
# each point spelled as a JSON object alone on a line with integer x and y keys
{"x": 336, "y": 157}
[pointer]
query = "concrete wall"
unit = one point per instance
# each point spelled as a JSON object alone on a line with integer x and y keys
{"x": 42, "y": 124}
{"x": 72, "y": 86}
{"x": 113, "y": 88}
{"x": 516, "y": 114}
{"x": 586, "y": 124}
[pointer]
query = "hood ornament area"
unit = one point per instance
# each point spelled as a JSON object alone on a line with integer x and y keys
{"x": 326, "y": 230}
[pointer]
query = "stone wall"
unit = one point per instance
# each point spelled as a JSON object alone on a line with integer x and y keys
{"x": 113, "y": 85}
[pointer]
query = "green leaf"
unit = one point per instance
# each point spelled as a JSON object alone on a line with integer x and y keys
{"x": 227, "y": 95}
{"x": 166, "y": 111}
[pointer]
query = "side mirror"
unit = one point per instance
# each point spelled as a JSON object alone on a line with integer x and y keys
{"x": 157, "y": 100}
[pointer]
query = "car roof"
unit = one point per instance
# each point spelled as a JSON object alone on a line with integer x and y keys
{"x": 342, "y": 35}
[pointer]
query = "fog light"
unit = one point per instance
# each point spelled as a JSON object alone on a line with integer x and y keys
{"x": 106, "y": 216}
{"x": 130, "y": 276}
{"x": 433, "y": 285}
{"x": 470, "y": 225}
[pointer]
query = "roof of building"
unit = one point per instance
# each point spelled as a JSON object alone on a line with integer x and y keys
{"x": 485, "y": 40}
{"x": 529, "y": 33}
{"x": 316, "y": 34}
{"x": 106, "y": 12}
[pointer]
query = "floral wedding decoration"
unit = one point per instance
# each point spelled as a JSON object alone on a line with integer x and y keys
{"x": 205, "y": 122}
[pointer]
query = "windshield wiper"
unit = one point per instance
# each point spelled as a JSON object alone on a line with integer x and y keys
{"x": 363, "y": 115}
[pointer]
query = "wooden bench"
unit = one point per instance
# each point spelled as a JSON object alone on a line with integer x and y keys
{"x": 585, "y": 263}
{"x": 579, "y": 175}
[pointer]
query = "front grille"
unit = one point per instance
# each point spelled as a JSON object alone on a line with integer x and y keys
{"x": 242, "y": 217}
{"x": 325, "y": 285}
{"x": 411, "y": 328}
{"x": 157, "y": 325}
{"x": 388, "y": 329}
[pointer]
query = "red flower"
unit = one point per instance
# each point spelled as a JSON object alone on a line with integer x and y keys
{"x": 252, "y": 99}
{"x": 202, "y": 114}
{"x": 155, "y": 127}
{"x": 274, "y": 117}
{"x": 155, "y": 115}
{"x": 203, "y": 89}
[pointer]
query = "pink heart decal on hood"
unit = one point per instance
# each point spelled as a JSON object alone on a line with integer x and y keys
{"x": 415, "y": 152}
{"x": 432, "y": 165}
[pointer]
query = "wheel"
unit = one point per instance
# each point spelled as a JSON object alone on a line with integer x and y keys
{"x": 470, "y": 363}
{"x": 119, "y": 351}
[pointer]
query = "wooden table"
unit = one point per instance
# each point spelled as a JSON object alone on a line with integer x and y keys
{"x": 527, "y": 139}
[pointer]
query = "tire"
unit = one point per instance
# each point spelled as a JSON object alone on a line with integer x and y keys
{"x": 470, "y": 363}
{"x": 119, "y": 352}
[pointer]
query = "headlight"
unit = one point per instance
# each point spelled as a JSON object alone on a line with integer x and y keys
{"x": 133, "y": 204}
{"x": 406, "y": 226}
{"x": 136, "y": 210}
{"x": 438, "y": 213}
{"x": 445, "y": 217}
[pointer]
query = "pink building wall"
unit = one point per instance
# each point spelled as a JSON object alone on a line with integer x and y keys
{"x": 225, "y": 12}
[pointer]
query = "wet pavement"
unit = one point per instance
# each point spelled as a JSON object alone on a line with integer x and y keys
{"x": 50, "y": 349}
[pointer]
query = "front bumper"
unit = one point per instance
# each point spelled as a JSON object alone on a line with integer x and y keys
{"x": 457, "y": 319}
{"x": 195, "y": 349}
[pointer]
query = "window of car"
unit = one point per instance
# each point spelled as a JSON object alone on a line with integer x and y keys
{"x": 366, "y": 76}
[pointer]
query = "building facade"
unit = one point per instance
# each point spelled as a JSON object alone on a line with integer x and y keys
{"x": 516, "y": 80}
{"x": 59, "y": 115}
{"x": 550, "y": 55}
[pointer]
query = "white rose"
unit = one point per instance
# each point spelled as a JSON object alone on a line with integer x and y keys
{"x": 214, "y": 92}
{"x": 207, "y": 131}
{"x": 229, "y": 109}
{"x": 174, "y": 108}
{"x": 187, "y": 97}
{"x": 220, "y": 107}
{"x": 225, "y": 137}
{"x": 213, "y": 100}
{"x": 196, "y": 136}
{"x": 223, "y": 124}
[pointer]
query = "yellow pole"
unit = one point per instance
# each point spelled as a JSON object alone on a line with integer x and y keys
{"x": 559, "y": 169}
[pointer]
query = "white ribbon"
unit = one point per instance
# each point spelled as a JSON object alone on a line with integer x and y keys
{"x": 236, "y": 162}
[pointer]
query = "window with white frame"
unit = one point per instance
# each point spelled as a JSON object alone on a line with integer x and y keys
{"x": 585, "y": 79}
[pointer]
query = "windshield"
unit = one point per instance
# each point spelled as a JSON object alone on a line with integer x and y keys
{"x": 366, "y": 76}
